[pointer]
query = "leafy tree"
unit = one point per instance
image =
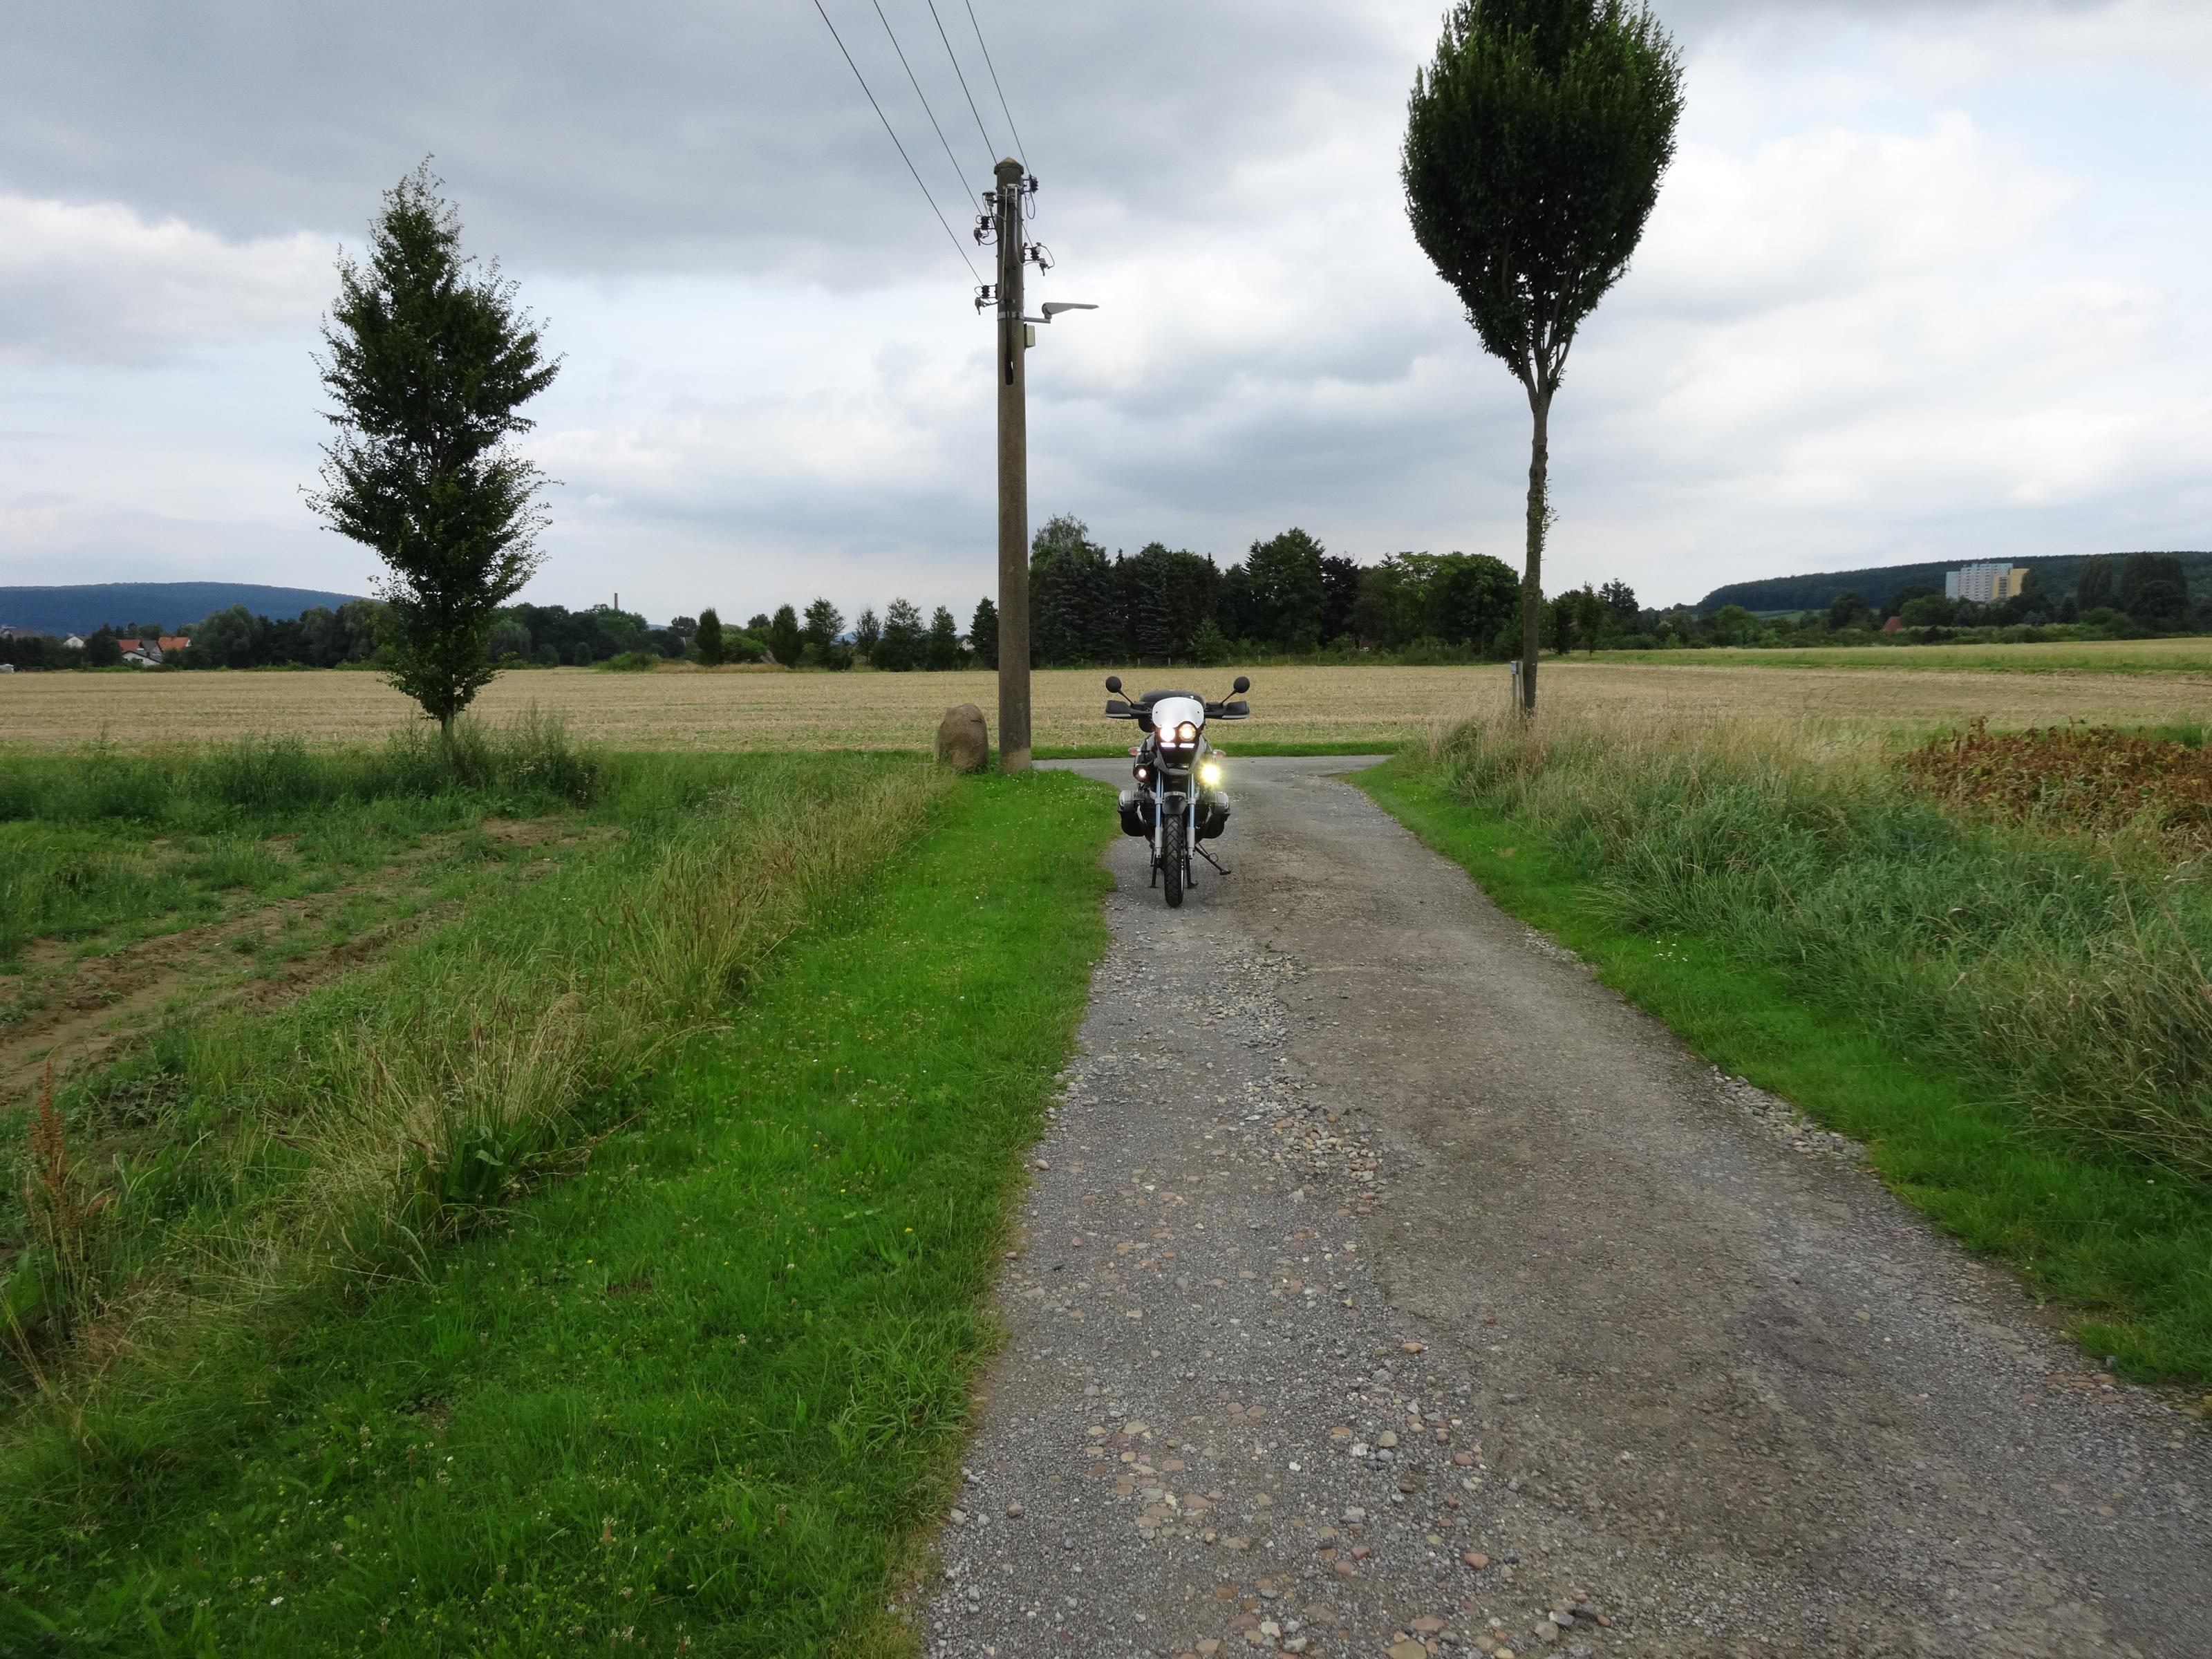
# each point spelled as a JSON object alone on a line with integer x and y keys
{"x": 2098, "y": 584}
{"x": 983, "y": 633}
{"x": 1623, "y": 614}
{"x": 508, "y": 638}
{"x": 709, "y": 639}
{"x": 901, "y": 647}
{"x": 430, "y": 361}
{"x": 1559, "y": 624}
{"x": 1386, "y": 613}
{"x": 943, "y": 644}
{"x": 1734, "y": 625}
{"x": 1846, "y": 609}
{"x": 1904, "y": 596}
{"x": 758, "y": 623}
{"x": 1591, "y": 617}
{"x": 1209, "y": 646}
{"x": 101, "y": 649}
{"x": 360, "y": 626}
{"x": 866, "y": 631}
{"x": 1289, "y": 599}
{"x": 1467, "y": 597}
{"x": 824, "y": 622}
{"x": 1340, "y": 592}
{"x": 228, "y": 639}
{"x": 1928, "y": 610}
{"x": 784, "y": 641}
{"x": 2155, "y": 590}
{"x": 1535, "y": 145}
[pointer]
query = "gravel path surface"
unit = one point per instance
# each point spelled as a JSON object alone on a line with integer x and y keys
{"x": 1387, "y": 1287}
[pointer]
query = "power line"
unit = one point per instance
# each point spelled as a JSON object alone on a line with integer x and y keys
{"x": 1020, "y": 150}
{"x": 903, "y": 156}
{"x": 918, "y": 93}
{"x": 988, "y": 146}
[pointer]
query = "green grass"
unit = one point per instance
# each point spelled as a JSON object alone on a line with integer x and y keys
{"x": 1849, "y": 1027}
{"x": 96, "y": 842}
{"x": 704, "y": 1392}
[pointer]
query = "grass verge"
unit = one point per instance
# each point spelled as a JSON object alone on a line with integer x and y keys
{"x": 1806, "y": 923}
{"x": 697, "y": 1398}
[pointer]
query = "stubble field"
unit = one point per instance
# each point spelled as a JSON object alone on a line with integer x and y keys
{"x": 687, "y": 708}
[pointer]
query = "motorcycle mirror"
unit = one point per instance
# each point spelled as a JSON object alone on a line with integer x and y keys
{"x": 1242, "y": 685}
{"x": 1112, "y": 682}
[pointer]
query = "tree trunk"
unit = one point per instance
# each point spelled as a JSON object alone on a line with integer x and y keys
{"x": 1532, "y": 578}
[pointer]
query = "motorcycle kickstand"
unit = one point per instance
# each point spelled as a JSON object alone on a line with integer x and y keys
{"x": 1213, "y": 860}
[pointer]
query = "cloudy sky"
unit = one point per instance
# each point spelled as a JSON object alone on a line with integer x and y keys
{"x": 1928, "y": 280}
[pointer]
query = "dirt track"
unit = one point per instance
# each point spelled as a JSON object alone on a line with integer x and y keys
{"x": 1387, "y": 1286}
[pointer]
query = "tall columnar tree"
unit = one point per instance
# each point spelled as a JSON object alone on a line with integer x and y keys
{"x": 901, "y": 647}
{"x": 824, "y": 622}
{"x": 430, "y": 361}
{"x": 1535, "y": 145}
{"x": 944, "y": 643}
{"x": 866, "y": 631}
{"x": 983, "y": 633}
{"x": 709, "y": 639}
{"x": 1290, "y": 596}
{"x": 785, "y": 640}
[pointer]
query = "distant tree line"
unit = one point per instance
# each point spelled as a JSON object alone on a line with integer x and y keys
{"x": 2114, "y": 596}
{"x": 1288, "y": 596}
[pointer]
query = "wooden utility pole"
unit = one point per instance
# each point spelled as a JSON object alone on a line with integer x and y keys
{"x": 1013, "y": 478}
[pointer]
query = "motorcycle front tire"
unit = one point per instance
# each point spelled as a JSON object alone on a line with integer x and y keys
{"x": 1171, "y": 857}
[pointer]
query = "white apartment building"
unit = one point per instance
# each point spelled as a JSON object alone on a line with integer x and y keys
{"x": 1984, "y": 583}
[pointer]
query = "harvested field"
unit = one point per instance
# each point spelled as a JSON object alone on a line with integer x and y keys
{"x": 682, "y": 708}
{"x": 2189, "y": 654}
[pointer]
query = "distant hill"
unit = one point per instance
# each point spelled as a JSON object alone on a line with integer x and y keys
{"x": 1878, "y": 586}
{"x": 174, "y": 604}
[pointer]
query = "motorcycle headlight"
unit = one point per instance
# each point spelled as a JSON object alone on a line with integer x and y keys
{"x": 1185, "y": 735}
{"x": 1209, "y": 774}
{"x": 1143, "y": 773}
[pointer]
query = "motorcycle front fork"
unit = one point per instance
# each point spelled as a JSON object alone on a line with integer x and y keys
{"x": 1189, "y": 809}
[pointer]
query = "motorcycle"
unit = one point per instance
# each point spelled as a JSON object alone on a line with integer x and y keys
{"x": 1178, "y": 802}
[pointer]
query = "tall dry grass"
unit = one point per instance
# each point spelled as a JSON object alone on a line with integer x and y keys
{"x": 2064, "y": 965}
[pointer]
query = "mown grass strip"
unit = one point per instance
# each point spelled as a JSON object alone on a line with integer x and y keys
{"x": 698, "y": 1398}
{"x": 2128, "y": 1248}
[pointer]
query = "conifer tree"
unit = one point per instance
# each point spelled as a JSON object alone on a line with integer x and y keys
{"x": 983, "y": 633}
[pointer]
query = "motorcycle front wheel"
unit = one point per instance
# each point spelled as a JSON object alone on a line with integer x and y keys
{"x": 1171, "y": 857}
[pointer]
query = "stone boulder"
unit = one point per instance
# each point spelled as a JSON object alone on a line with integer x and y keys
{"x": 963, "y": 741}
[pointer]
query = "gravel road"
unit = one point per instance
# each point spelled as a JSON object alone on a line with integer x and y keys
{"x": 1388, "y": 1287}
